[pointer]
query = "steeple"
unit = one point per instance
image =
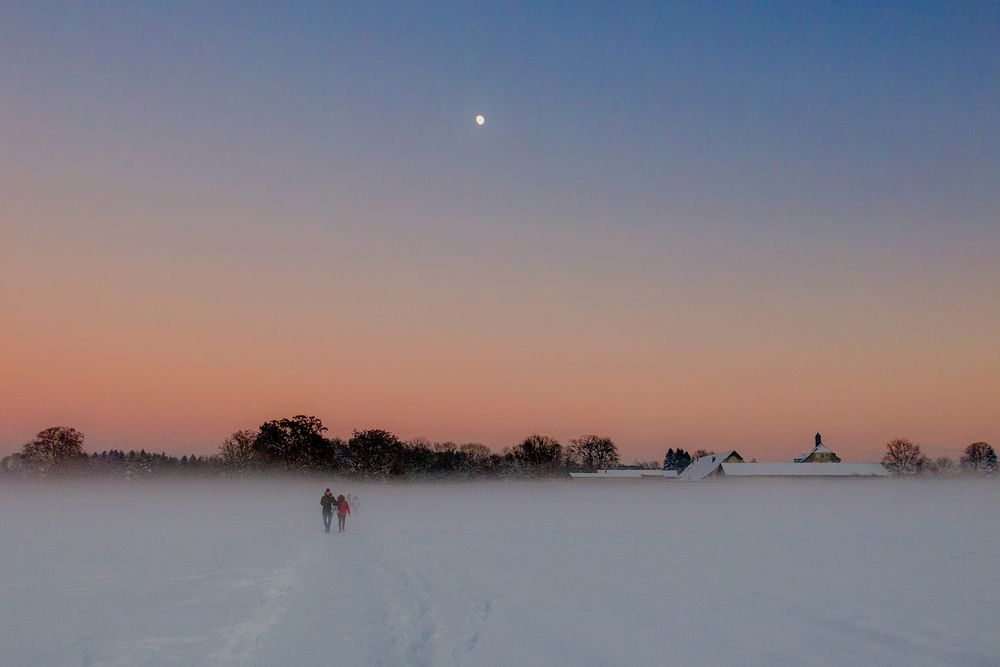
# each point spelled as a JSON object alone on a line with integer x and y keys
{"x": 820, "y": 454}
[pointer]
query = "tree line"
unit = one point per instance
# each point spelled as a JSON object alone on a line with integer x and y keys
{"x": 905, "y": 458}
{"x": 300, "y": 444}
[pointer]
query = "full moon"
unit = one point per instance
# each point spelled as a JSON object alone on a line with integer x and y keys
{"x": 480, "y": 120}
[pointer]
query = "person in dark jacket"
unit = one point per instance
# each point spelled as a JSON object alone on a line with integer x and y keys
{"x": 328, "y": 501}
{"x": 343, "y": 509}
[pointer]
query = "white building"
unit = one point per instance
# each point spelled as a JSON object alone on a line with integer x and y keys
{"x": 625, "y": 474}
{"x": 820, "y": 462}
{"x": 804, "y": 470}
{"x": 704, "y": 467}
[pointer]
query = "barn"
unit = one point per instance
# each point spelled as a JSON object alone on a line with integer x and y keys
{"x": 804, "y": 470}
{"x": 625, "y": 474}
{"x": 705, "y": 467}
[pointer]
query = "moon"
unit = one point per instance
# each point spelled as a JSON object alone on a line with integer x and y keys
{"x": 480, "y": 120}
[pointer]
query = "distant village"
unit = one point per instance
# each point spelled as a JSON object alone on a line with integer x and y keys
{"x": 820, "y": 461}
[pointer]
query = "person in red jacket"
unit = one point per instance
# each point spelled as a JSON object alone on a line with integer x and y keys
{"x": 343, "y": 509}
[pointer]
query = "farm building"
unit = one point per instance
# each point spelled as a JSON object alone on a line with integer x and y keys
{"x": 820, "y": 462}
{"x": 625, "y": 474}
{"x": 708, "y": 466}
{"x": 828, "y": 469}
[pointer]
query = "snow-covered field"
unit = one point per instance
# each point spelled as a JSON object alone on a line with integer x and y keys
{"x": 842, "y": 572}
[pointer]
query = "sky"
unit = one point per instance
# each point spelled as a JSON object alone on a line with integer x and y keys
{"x": 704, "y": 225}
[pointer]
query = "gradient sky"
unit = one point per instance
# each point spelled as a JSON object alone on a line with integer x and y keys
{"x": 684, "y": 224}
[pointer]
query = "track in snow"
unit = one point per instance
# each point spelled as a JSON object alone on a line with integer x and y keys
{"x": 367, "y": 600}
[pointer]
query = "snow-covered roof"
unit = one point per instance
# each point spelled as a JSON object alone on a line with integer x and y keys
{"x": 820, "y": 448}
{"x": 804, "y": 470}
{"x": 623, "y": 474}
{"x": 704, "y": 466}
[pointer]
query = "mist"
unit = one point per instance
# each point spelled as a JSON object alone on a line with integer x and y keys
{"x": 864, "y": 572}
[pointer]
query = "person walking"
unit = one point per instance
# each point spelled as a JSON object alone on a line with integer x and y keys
{"x": 343, "y": 509}
{"x": 328, "y": 501}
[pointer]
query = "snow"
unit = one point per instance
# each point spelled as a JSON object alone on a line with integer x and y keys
{"x": 703, "y": 466}
{"x": 820, "y": 448}
{"x": 805, "y": 469}
{"x": 555, "y": 573}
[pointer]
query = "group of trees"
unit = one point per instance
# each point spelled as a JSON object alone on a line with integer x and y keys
{"x": 60, "y": 449}
{"x": 676, "y": 459}
{"x": 117, "y": 463}
{"x": 905, "y": 458}
{"x": 301, "y": 444}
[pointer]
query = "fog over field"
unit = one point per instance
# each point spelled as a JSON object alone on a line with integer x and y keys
{"x": 843, "y": 572}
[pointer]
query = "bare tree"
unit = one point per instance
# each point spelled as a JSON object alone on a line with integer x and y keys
{"x": 943, "y": 466}
{"x": 592, "y": 452}
{"x": 703, "y": 452}
{"x": 476, "y": 451}
{"x": 420, "y": 442}
{"x": 979, "y": 457}
{"x": 54, "y": 446}
{"x": 238, "y": 450}
{"x": 444, "y": 447}
{"x": 477, "y": 456}
{"x": 902, "y": 457}
{"x": 12, "y": 463}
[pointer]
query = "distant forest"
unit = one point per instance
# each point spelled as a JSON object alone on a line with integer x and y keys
{"x": 299, "y": 445}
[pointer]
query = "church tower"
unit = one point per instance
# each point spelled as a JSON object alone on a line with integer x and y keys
{"x": 820, "y": 454}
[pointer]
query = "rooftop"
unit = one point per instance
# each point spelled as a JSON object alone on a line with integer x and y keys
{"x": 804, "y": 470}
{"x": 623, "y": 474}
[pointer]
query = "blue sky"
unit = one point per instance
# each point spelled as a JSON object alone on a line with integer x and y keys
{"x": 766, "y": 179}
